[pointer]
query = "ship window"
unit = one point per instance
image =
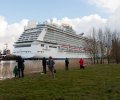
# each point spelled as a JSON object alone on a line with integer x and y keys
{"x": 40, "y": 51}
{"x": 18, "y": 46}
{"x": 52, "y": 47}
{"x": 42, "y": 45}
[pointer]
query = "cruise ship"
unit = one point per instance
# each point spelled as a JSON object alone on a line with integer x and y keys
{"x": 48, "y": 39}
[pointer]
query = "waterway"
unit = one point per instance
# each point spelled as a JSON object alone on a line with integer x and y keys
{"x": 31, "y": 66}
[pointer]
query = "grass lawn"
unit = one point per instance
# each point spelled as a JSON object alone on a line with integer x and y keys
{"x": 96, "y": 82}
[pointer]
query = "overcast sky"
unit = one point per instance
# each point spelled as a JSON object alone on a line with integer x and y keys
{"x": 83, "y": 15}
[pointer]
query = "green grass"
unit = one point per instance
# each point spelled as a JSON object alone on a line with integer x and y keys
{"x": 96, "y": 82}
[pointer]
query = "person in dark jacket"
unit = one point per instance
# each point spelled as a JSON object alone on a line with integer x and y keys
{"x": 20, "y": 62}
{"x": 51, "y": 68}
{"x": 44, "y": 65}
{"x": 66, "y": 63}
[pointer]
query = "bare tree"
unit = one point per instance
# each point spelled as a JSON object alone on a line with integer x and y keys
{"x": 116, "y": 47}
{"x": 108, "y": 43}
{"x": 91, "y": 45}
{"x": 101, "y": 45}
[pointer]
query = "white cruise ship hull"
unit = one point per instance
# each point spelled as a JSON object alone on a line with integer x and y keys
{"x": 36, "y": 51}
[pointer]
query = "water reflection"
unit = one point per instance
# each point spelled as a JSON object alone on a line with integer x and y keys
{"x": 6, "y": 68}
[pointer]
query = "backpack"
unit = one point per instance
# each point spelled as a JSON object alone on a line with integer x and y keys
{"x": 51, "y": 63}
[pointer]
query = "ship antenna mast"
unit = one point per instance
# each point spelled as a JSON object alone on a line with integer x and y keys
{"x": 6, "y": 45}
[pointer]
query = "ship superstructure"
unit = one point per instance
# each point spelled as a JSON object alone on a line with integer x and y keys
{"x": 48, "y": 39}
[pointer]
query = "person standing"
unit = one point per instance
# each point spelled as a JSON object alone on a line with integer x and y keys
{"x": 50, "y": 64}
{"x": 44, "y": 65}
{"x": 21, "y": 66}
{"x": 81, "y": 62}
{"x": 66, "y": 63}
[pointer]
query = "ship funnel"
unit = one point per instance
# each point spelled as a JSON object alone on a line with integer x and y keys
{"x": 31, "y": 24}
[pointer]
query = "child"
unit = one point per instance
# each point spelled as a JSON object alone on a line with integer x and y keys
{"x": 15, "y": 71}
